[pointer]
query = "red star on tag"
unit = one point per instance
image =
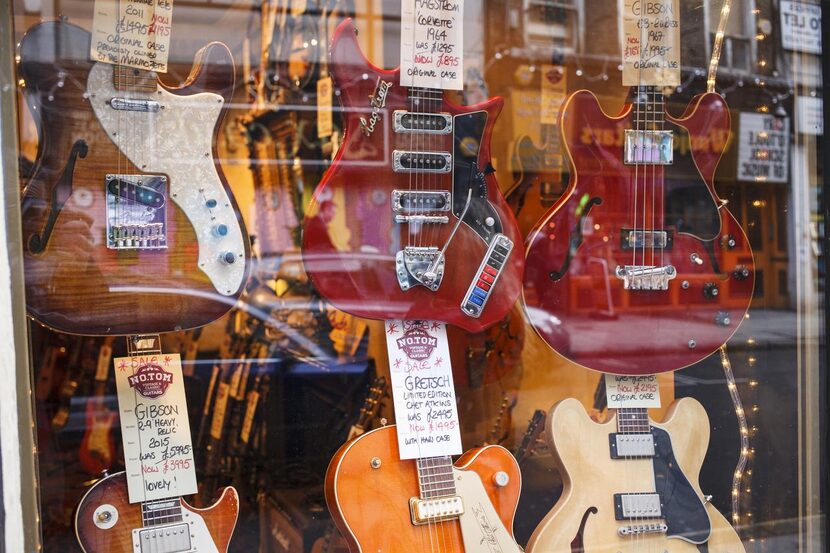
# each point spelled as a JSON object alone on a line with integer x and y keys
{"x": 438, "y": 361}
{"x": 398, "y": 363}
{"x": 393, "y": 328}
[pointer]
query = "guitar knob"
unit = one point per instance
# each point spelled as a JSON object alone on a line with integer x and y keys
{"x": 501, "y": 479}
{"x": 741, "y": 272}
{"x": 722, "y": 318}
{"x": 729, "y": 242}
{"x": 710, "y": 290}
{"x": 220, "y": 230}
{"x": 228, "y": 258}
{"x": 211, "y": 203}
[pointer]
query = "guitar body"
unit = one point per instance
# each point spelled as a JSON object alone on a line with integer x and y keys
{"x": 371, "y": 506}
{"x": 97, "y": 452}
{"x": 585, "y": 513}
{"x": 211, "y": 528}
{"x": 574, "y": 251}
{"x": 93, "y": 163}
{"x": 353, "y": 264}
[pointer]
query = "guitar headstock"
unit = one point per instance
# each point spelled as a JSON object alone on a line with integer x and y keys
{"x": 532, "y": 436}
{"x": 378, "y": 390}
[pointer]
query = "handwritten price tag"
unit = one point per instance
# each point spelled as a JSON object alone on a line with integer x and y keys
{"x": 432, "y": 40}
{"x": 135, "y": 33}
{"x": 158, "y": 452}
{"x": 632, "y": 391}
{"x": 651, "y": 43}
{"x": 422, "y": 389}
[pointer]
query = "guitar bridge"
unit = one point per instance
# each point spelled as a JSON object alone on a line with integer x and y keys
{"x": 425, "y": 511}
{"x": 136, "y": 218}
{"x": 646, "y": 277}
{"x": 419, "y": 266}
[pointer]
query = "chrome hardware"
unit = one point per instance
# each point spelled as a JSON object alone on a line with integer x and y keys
{"x": 729, "y": 242}
{"x": 485, "y": 278}
{"x": 631, "y": 445}
{"x": 404, "y": 201}
{"x": 136, "y": 218}
{"x": 741, "y": 272}
{"x": 722, "y": 318}
{"x": 637, "y": 505}
{"x": 422, "y": 219}
{"x": 696, "y": 259}
{"x": 710, "y": 290}
{"x": 685, "y": 285}
{"x": 220, "y": 230}
{"x": 648, "y": 147}
{"x": 375, "y": 462}
{"x": 421, "y": 162}
{"x": 424, "y": 511}
{"x": 645, "y": 277}
{"x": 413, "y": 263}
{"x": 172, "y": 538}
{"x": 105, "y": 516}
{"x": 632, "y": 239}
{"x": 692, "y": 344}
{"x": 501, "y": 479}
{"x": 426, "y": 123}
{"x": 129, "y": 104}
{"x": 228, "y": 258}
{"x": 707, "y": 498}
{"x": 637, "y": 529}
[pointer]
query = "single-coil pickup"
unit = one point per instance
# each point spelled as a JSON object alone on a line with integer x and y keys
{"x": 488, "y": 273}
{"x": 653, "y": 239}
{"x": 419, "y": 202}
{"x": 626, "y": 446}
{"x": 645, "y": 277}
{"x": 425, "y": 511}
{"x": 644, "y": 147}
{"x": 421, "y": 162}
{"x": 427, "y": 123}
{"x": 639, "y": 529}
{"x": 422, "y": 219}
{"x": 128, "y": 104}
{"x": 135, "y": 192}
{"x": 637, "y": 505}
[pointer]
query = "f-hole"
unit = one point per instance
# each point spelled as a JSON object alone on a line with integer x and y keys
{"x": 578, "y": 545}
{"x": 576, "y": 239}
{"x": 61, "y": 191}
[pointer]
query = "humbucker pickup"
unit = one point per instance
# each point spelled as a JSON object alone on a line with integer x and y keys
{"x": 425, "y": 511}
{"x": 426, "y": 123}
{"x": 643, "y": 147}
{"x": 637, "y": 505}
{"x": 407, "y": 201}
{"x": 655, "y": 239}
{"x": 421, "y": 162}
{"x": 173, "y": 538}
{"x": 485, "y": 278}
{"x": 626, "y": 446}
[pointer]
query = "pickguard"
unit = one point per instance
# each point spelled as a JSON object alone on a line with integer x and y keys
{"x": 469, "y": 132}
{"x": 481, "y": 527}
{"x": 177, "y": 141}
{"x": 684, "y": 512}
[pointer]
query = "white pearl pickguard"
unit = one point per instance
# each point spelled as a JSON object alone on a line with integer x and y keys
{"x": 481, "y": 527}
{"x": 177, "y": 141}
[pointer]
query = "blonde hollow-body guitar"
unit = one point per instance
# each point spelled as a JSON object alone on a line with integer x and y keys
{"x": 382, "y": 504}
{"x": 631, "y": 484}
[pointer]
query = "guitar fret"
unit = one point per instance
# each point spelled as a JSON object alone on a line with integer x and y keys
{"x": 435, "y": 477}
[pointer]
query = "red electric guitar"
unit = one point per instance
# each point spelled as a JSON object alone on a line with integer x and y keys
{"x": 640, "y": 259}
{"x": 442, "y": 246}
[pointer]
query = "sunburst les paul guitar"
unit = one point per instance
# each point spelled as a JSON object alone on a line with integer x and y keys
{"x": 106, "y": 522}
{"x": 443, "y": 246}
{"x": 127, "y": 208}
{"x": 630, "y": 484}
{"x": 640, "y": 259}
{"x": 383, "y": 504}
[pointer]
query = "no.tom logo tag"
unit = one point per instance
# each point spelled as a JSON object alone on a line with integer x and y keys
{"x": 150, "y": 380}
{"x": 416, "y": 342}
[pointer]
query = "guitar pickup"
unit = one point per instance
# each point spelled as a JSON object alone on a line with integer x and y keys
{"x": 656, "y": 239}
{"x": 135, "y": 191}
{"x": 637, "y": 505}
{"x": 407, "y": 201}
{"x": 648, "y": 147}
{"x": 426, "y": 511}
{"x": 627, "y": 446}
{"x": 488, "y": 273}
{"x": 129, "y": 104}
{"x": 170, "y": 538}
{"x": 404, "y": 161}
{"x": 426, "y": 123}
{"x": 422, "y": 219}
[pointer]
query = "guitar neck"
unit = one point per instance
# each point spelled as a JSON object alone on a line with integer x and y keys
{"x": 633, "y": 420}
{"x": 435, "y": 477}
{"x": 131, "y": 79}
{"x": 160, "y": 512}
{"x": 648, "y": 109}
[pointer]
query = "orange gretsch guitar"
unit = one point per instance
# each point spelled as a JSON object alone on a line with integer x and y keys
{"x": 127, "y": 209}
{"x": 106, "y": 522}
{"x": 442, "y": 243}
{"x": 382, "y": 504}
{"x": 640, "y": 260}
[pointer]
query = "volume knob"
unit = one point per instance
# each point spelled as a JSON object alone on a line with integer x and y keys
{"x": 228, "y": 258}
{"x": 220, "y": 230}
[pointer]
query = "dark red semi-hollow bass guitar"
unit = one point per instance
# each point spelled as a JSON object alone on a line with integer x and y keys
{"x": 640, "y": 260}
{"x": 409, "y": 222}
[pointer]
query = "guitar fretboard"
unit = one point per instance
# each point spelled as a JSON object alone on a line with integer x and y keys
{"x": 165, "y": 511}
{"x": 425, "y": 100}
{"x": 648, "y": 108}
{"x": 633, "y": 421}
{"x": 435, "y": 477}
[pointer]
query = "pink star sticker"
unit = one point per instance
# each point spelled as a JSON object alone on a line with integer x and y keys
{"x": 435, "y": 326}
{"x": 398, "y": 363}
{"x": 438, "y": 361}
{"x": 393, "y": 328}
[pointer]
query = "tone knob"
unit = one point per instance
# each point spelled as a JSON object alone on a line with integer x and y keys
{"x": 710, "y": 290}
{"x": 211, "y": 203}
{"x": 228, "y": 258}
{"x": 220, "y": 230}
{"x": 741, "y": 272}
{"x": 722, "y": 318}
{"x": 501, "y": 479}
{"x": 729, "y": 242}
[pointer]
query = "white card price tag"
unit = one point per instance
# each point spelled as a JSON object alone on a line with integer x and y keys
{"x": 158, "y": 452}
{"x": 651, "y": 43}
{"x": 135, "y": 33}
{"x": 632, "y": 391}
{"x": 432, "y": 44}
{"x": 422, "y": 389}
